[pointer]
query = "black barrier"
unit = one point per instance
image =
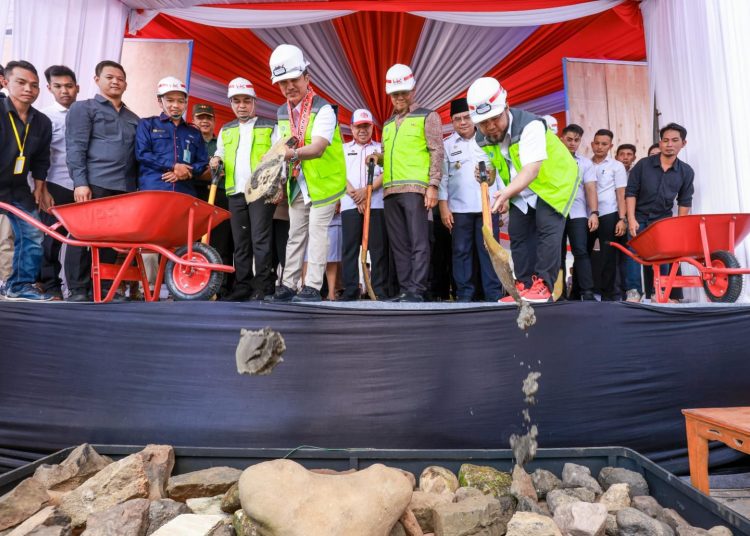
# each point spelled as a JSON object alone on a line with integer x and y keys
{"x": 612, "y": 374}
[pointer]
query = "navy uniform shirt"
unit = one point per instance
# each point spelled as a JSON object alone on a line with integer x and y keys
{"x": 655, "y": 190}
{"x": 15, "y": 187}
{"x": 160, "y": 145}
{"x": 100, "y": 145}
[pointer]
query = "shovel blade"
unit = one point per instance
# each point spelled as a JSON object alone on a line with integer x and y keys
{"x": 501, "y": 263}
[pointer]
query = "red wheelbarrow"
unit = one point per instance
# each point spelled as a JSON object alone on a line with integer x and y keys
{"x": 167, "y": 223}
{"x": 705, "y": 241}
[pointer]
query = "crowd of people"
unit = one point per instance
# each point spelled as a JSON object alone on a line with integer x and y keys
{"x": 425, "y": 211}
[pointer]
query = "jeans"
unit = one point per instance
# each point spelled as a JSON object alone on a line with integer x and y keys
{"x": 467, "y": 237}
{"x": 27, "y": 250}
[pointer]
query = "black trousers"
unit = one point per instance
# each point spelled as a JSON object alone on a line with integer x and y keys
{"x": 78, "y": 260}
{"x": 408, "y": 235}
{"x": 577, "y": 230}
{"x": 352, "y": 222}
{"x": 251, "y": 232}
{"x": 50, "y": 274}
{"x": 441, "y": 284}
{"x": 535, "y": 239}
{"x": 221, "y": 235}
{"x": 280, "y": 238}
{"x": 608, "y": 255}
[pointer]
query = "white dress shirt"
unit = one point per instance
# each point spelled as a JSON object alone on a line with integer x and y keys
{"x": 532, "y": 147}
{"x": 459, "y": 186}
{"x": 58, "y": 169}
{"x": 609, "y": 175}
{"x": 356, "y": 172}
{"x": 579, "y": 209}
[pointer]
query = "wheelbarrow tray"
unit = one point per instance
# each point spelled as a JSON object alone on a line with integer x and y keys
{"x": 154, "y": 217}
{"x": 680, "y": 236}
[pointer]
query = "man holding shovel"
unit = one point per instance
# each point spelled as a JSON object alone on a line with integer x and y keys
{"x": 541, "y": 180}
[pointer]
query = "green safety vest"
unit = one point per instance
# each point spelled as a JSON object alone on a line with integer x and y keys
{"x": 230, "y": 137}
{"x": 558, "y": 179}
{"x": 408, "y": 161}
{"x": 325, "y": 176}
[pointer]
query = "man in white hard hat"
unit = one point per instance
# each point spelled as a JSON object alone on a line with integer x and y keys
{"x": 541, "y": 181}
{"x": 412, "y": 161}
{"x": 170, "y": 152}
{"x": 317, "y": 173}
{"x": 241, "y": 145}
{"x": 352, "y": 210}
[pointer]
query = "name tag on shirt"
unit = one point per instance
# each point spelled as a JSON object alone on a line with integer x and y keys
{"x": 18, "y": 167}
{"x": 351, "y": 154}
{"x": 456, "y": 153}
{"x": 187, "y": 156}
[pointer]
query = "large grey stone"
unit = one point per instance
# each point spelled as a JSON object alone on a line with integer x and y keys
{"x": 423, "y": 506}
{"x": 118, "y": 482}
{"x": 558, "y": 497}
{"x": 616, "y": 497}
{"x": 436, "y": 479}
{"x": 619, "y": 475}
{"x": 285, "y": 498}
{"x": 22, "y": 502}
{"x": 480, "y": 516}
{"x": 672, "y": 518}
{"x": 46, "y": 517}
{"x": 522, "y": 485}
{"x": 530, "y": 524}
{"x": 581, "y": 519}
{"x": 191, "y": 525}
{"x": 632, "y": 522}
{"x": 80, "y": 465}
{"x": 126, "y": 519}
{"x": 579, "y": 476}
{"x": 527, "y": 505}
{"x": 544, "y": 482}
{"x": 162, "y": 511}
{"x": 646, "y": 504}
{"x": 582, "y": 494}
{"x": 486, "y": 479}
{"x": 203, "y": 483}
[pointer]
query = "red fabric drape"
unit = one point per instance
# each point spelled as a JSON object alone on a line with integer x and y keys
{"x": 400, "y": 6}
{"x": 372, "y": 43}
{"x": 223, "y": 54}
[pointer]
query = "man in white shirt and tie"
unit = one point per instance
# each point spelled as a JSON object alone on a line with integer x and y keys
{"x": 353, "y": 206}
{"x": 61, "y": 82}
{"x": 460, "y": 202}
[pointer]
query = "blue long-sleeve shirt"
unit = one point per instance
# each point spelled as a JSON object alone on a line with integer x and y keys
{"x": 159, "y": 145}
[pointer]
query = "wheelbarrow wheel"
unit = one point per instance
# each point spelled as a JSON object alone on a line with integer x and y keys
{"x": 724, "y": 288}
{"x": 186, "y": 283}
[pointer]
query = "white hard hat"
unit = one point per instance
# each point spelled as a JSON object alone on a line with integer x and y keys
{"x": 486, "y": 99}
{"x": 170, "y": 83}
{"x": 399, "y": 78}
{"x": 361, "y": 117}
{"x": 551, "y": 123}
{"x": 240, "y": 86}
{"x": 287, "y": 62}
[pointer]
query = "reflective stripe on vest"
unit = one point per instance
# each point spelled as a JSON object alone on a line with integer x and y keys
{"x": 230, "y": 137}
{"x": 325, "y": 176}
{"x": 406, "y": 159}
{"x": 558, "y": 179}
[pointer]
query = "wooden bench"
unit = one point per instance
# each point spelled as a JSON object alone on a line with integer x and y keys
{"x": 731, "y": 426}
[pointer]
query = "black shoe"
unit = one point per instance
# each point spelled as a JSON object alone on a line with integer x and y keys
{"x": 588, "y": 296}
{"x": 237, "y": 295}
{"x": 78, "y": 296}
{"x": 257, "y": 295}
{"x": 409, "y": 297}
{"x": 397, "y": 297}
{"x": 308, "y": 294}
{"x": 349, "y": 296}
{"x": 463, "y": 299}
{"x": 283, "y": 294}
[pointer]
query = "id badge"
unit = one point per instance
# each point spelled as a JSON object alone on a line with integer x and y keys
{"x": 20, "y": 164}
{"x": 187, "y": 156}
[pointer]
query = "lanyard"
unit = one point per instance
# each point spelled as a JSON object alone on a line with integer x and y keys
{"x": 15, "y": 131}
{"x": 298, "y": 129}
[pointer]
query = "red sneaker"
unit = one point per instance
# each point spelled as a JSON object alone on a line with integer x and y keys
{"x": 538, "y": 293}
{"x": 520, "y": 287}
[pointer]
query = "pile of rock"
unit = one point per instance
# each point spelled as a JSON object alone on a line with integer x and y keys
{"x": 90, "y": 494}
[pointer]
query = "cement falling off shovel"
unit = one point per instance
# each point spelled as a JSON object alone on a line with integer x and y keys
{"x": 268, "y": 178}
{"x": 500, "y": 257}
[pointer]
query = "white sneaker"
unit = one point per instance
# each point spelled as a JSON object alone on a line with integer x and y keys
{"x": 633, "y": 296}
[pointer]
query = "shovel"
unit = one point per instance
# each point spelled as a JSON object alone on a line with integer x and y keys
{"x": 215, "y": 178}
{"x": 499, "y": 256}
{"x": 366, "y": 232}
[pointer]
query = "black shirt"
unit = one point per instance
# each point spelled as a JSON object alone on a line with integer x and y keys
{"x": 655, "y": 190}
{"x": 15, "y": 187}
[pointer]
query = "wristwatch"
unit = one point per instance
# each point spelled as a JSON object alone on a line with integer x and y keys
{"x": 595, "y": 212}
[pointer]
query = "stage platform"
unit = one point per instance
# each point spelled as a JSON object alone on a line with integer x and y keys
{"x": 388, "y": 376}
